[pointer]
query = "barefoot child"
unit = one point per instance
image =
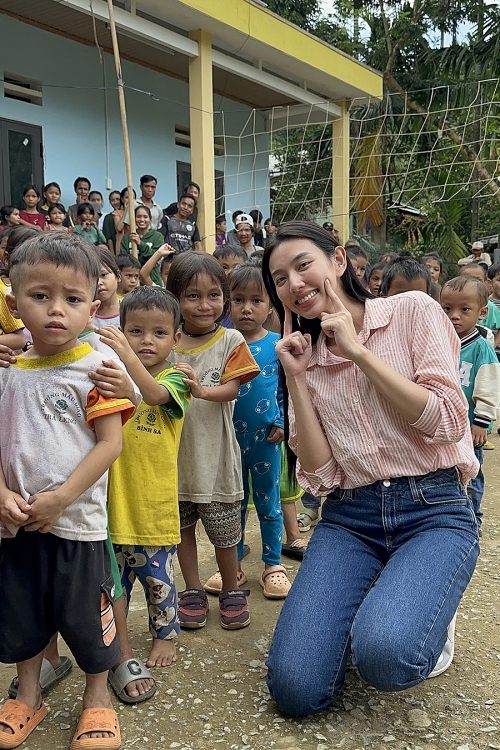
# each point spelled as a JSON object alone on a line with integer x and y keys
{"x": 143, "y": 499}
{"x": 258, "y": 422}
{"x": 55, "y": 569}
{"x": 215, "y": 362}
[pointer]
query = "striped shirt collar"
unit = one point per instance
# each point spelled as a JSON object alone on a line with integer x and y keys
{"x": 473, "y": 336}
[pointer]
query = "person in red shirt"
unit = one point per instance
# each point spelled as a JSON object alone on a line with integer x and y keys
{"x": 31, "y": 216}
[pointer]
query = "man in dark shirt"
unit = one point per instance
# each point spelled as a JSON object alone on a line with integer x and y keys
{"x": 192, "y": 188}
{"x": 179, "y": 230}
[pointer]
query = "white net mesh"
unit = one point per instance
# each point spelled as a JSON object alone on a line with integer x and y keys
{"x": 441, "y": 144}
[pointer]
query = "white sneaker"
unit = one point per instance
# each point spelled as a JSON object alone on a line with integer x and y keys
{"x": 448, "y": 651}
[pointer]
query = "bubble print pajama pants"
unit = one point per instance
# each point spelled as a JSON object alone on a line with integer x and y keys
{"x": 262, "y": 460}
{"x": 154, "y": 567}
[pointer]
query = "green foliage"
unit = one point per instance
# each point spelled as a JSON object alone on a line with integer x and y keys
{"x": 417, "y": 161}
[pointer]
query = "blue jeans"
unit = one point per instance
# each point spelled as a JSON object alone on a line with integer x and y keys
{"x": 263, "y": 461}
{"x": 382, "y": 577}
{"x": 310, "y": 501}
{"x": 475, "y": 488}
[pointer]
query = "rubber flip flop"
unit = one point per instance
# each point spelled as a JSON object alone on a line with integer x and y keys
{"x": 296, "y": 549}
{"x": 97, "y": 720}
{"x": 48, "y": 675}
{"x": 22, "y": 719}
{"x": 127, "y": 672}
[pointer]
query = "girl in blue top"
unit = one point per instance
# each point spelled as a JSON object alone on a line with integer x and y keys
{"x": 258, "y": 422}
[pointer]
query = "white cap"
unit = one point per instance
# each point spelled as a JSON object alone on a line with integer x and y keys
{"x": 478, "y": 245}
{"x": 243, "y": 219}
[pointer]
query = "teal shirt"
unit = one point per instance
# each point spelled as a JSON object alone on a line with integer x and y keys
{"x": 92, "y": 235}
{"x": 492, "y": 319}
{"x": 478, "y": 364}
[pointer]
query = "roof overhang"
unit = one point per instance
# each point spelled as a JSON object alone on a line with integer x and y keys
{"x": 258, "y": 58}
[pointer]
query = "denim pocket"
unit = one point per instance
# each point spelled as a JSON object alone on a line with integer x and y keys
{"x": 338, "y": 496}
{"x": 444, "y": 494}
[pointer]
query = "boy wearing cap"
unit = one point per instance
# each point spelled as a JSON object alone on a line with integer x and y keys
{"x": 245, "y": 231}
{"x": 477, "y": 256}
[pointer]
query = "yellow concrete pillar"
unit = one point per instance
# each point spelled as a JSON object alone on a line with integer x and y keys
{"x": 340, "y": 172}
{"x": 202, "y": 135}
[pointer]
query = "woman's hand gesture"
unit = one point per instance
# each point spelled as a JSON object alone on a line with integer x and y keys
{"x": 294, "y": 349}
{"x": 340, "y": 326}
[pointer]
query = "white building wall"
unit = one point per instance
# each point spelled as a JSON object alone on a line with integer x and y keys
{"x": 82, "y": 128}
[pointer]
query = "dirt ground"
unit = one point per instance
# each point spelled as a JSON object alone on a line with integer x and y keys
{"x": 215, "y": 696}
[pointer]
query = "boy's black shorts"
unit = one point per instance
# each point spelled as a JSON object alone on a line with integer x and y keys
{"x": 49, "y": 584}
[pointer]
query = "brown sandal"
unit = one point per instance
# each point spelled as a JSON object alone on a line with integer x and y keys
{"x": 22, "y": 719}
{"x": 275, "y": 582}
{"x": 97, "y": 720}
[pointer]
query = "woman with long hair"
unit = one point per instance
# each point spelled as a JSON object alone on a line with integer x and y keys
{"x": 378, "y": 422}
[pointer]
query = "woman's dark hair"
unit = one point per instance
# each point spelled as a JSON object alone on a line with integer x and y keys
{"x": 124, "y": 192}
{"x": 191, "y": 184}
{"x": 81, "y": 179}
{"x": 6, "y": 211}
{"x": 187, "y": 266}
{"x": 409, "y": 268}
{"x": 107, "y": 260}
{"x": 144, "y": 208}
{"x": 248, "y": 273}
{"x": 34, "y": 188}
{"x": 150, "y": 298}
{"x": 85, "y": 207}
{"x": 324, "y": 241}
{"x": 59, "y": 207}
{"x": 97, "y": 192}
{"x": 51, "y": 184}
{"x": 436, "y": 257}
{"x": 115, "y": 192}
{"x": 307, "y": 230}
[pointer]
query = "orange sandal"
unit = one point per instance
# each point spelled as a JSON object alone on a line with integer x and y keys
{"x": 275, "y": 582}
{"x": 22, "y": 719}
{"x": 97, "y": 720}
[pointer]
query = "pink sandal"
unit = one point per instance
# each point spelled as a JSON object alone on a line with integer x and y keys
{"x": 275, "y": 582}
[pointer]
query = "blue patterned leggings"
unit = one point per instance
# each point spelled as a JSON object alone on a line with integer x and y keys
{"x": 154, "y": 567}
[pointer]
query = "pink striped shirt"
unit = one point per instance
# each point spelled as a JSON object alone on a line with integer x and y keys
{"x": 369, "y": 439}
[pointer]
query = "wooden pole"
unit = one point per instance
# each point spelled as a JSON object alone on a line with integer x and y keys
{"x": 123, "y": 115}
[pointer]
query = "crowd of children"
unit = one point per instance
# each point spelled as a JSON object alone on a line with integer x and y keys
{"x": 180, "y": 348}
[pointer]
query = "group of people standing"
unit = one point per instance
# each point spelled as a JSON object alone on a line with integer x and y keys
{"x": 377, "y": 417}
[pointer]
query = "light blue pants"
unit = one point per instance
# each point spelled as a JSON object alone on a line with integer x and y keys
{"x": 262, "y": 460}
{"x": 382, "y": 577}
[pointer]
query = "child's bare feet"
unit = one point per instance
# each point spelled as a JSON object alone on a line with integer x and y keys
{"x": 162, "y": 654}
